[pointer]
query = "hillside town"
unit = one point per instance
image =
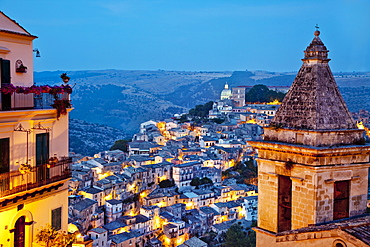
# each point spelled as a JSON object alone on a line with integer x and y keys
{"x": 188, "y": 181}
{"x": 168, "y": 187}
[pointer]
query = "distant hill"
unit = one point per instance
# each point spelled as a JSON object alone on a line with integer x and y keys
{"x": 122, "y": 99}
{"x": 89, "y": 138}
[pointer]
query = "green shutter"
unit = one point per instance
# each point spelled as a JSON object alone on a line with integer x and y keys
{"x": 4, "y": 155}
{"x": 56, "y": 218}
{"x": 42, "y": 149}
{"x": 5, "y": 71}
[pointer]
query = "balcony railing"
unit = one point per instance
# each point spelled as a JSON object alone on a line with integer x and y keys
{"x": 20, "y": 101}
{"x": 15, "y": 182}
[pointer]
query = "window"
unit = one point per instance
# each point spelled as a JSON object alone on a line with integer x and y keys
{"x": 341, "y": 200}
{"x": 5, "y": 80}
{"x": 42, "y": 148}
{"x": 42, "y": 156}
{"x": 56, "y": 218}
{"x": 4, "y": 155}
{"x": 284, "y": 203}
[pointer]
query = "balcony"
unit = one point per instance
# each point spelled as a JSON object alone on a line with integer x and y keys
{"x": 20, "y": 101}
{"x": 15, "y": 182}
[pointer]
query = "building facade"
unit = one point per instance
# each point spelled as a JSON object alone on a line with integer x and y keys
{"x": 34, "y": 163}
{"x": 313, "y": 165}
{"x": 238, "y": 96}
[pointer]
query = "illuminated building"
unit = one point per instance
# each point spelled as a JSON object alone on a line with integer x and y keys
{"x": 238, "y": 96}
{"x": 113, "y": 209}
{"x": 34, "y": 167}
{"x": 194, "y": 242}
{"x": 226, "y": 93}
{"x": 249, "y": 206}
{"x": 182, "y": 174}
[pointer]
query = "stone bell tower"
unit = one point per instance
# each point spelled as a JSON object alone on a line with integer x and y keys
{"x": 312, "y": 163}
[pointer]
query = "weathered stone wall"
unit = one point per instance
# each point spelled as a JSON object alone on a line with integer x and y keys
{"x": 314, "y": 138}
{"x": 327, "y": 238}
{"x": 303, "y": 197}
{"x": 312, "y": 191}
{"x": 358, "y": 177}
{"x": 267, "y": 196}
{"x": 312, "y": 156}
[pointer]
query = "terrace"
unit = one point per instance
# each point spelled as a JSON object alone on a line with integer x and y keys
{"x": 22, "y": 180}
{"x": 34, "y": 97}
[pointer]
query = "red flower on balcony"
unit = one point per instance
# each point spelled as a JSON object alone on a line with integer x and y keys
{"x": 61, "y": 106}
{"x": 54, "y": 90}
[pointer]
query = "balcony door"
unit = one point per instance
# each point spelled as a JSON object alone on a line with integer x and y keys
{"x": 5, "y": 80}
{"x": 42, "y": 156}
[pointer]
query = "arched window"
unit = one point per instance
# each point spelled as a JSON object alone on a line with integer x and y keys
{"x": 339, "y": 243}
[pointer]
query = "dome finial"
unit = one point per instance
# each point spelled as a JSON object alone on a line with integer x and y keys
{"x": 317, "y": 32}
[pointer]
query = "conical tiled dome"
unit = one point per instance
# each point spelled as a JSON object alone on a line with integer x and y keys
{"x": 314, "y": 101}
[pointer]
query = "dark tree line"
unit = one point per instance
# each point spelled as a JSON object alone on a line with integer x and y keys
{"x": 201, "y": 110}
{"x": 261, "y": 93}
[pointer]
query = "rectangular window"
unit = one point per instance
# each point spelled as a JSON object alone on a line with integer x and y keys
{"x": 42, "y": 148}
{"x": 4, "y": 155}
{"x": 284, "y": 203}
{"x": 56, "y": 218}
{"x": 341, "y": 199}
{"x": 42, "y": 156}
{"x": 5, "y": 80}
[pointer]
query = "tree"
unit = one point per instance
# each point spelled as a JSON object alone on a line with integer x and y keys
{"x": 166, "y": 183}
{"x": 251, "y": 239}
{"x": 218, "y": 120}
{"x": 195, "y": 182}
{"x": 201, "y": 110}
{"x": 206, "y": 180}
{"x": 50, "y": 237}
{"x": 236, "y": 237}
{"x": 120, "y": 144}
{"x": 261, "y": 93}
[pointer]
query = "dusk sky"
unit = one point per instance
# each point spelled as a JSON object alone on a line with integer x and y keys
{"x": 201, "y": 35}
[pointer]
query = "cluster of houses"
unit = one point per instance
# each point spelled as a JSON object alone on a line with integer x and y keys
{"x": 167, "y": 189}
{"x": 233, "y": 107}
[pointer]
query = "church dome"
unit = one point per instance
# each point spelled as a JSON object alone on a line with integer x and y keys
{"x": 226, "y": 93}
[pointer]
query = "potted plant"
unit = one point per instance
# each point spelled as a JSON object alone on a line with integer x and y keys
{"x": 61, "y": 106}
{"x": 65, "y": 78}
{"x": 21, "y": 69}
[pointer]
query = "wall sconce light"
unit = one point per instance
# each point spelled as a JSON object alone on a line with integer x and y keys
{"x": 37, "y": 52}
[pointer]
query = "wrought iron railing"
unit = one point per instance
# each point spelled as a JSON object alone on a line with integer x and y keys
{"x": 14, "y": 181}
{"x": 21, "y": 101}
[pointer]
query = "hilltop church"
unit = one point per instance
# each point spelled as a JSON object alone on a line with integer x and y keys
{"x": 313, "y": 165}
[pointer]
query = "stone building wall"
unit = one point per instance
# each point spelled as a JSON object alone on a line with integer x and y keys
{"x": 313, "y": 137}
{"x": 328, "y": 238}
{"x": 267, "y": 205}
{"x": 312, "y": 191}
{"x": 311, "y": 156}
